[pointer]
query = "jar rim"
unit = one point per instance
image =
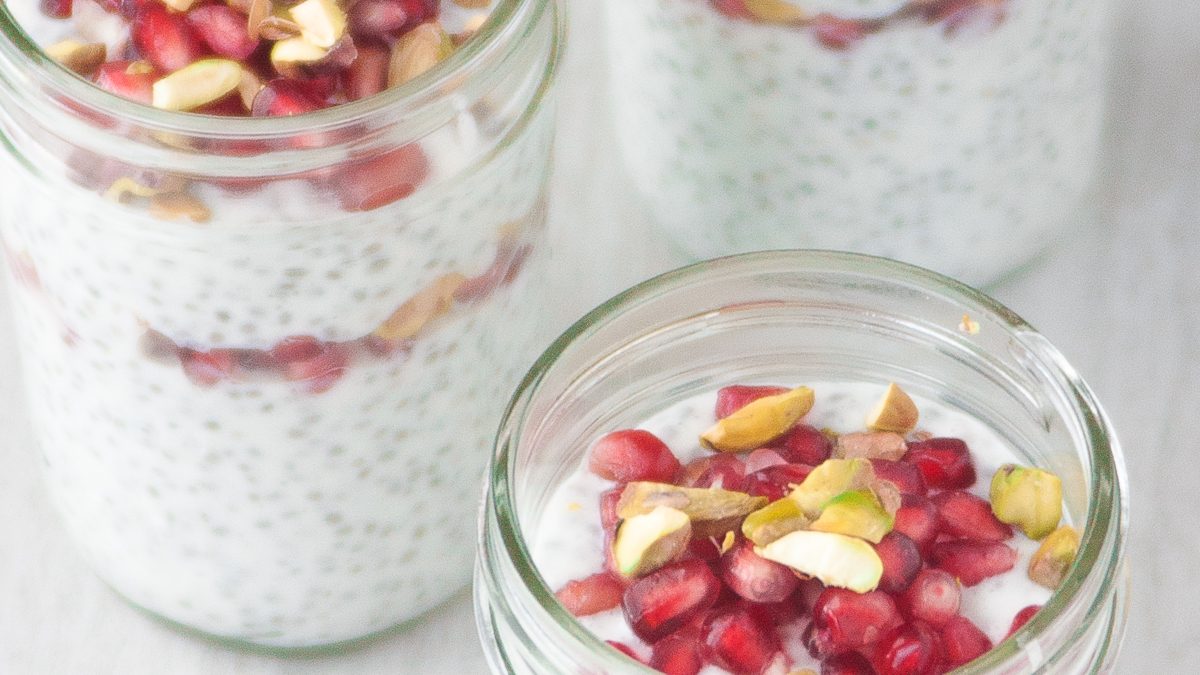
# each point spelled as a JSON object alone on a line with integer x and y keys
{"x": 1101, "y": 547}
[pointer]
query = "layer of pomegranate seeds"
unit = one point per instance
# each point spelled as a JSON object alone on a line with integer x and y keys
{"x": 972, "y": 562}
{"x": 965, "y": 516}
{"x": 663, "y": 601}
{"x": 963, "y": 642}
{"x": 739, "y": 644}
{"x": 911, "y": 649}
{"x": 855, "y": 620}
{"x": 733, "y": 398}
{"x": 1022, "y": 617}
{"x": 633, "y": 455}
{"x": 755, "y": 578}
{"x": 901, "y": 561}
{"x": 934, "y": 597}
{"x": 945, "y": 463}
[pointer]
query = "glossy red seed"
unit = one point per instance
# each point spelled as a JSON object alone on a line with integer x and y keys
{"x": 855, "y": 620}
{"x": 366, "y": 184}
{"x": 505, "y": 268}
{"x": 735, "y": 397}
{"x": 819, "y": 642}
{"x": 296, "y": 348}
{"x": 736, "y": 642}
{"x": 165, "y": 38}
{"x": 57, "y": 9}
{"x": 763, "y": 458}
{"x": 734, "y": 9}
{"x": 934, "y": 597}
{"x": 207, "y": 368}
{"x": 972, "y": 562}
{"x": 906, "y": 477}
{"x": 1022, "y": 617}
{"x": 663, "y": 601}
{"x": 377, "y": 18}
{"x": 901, "y": 562}
{"x": 367, "y": 76}
{"x": 917, "y": 518}
{"x": 633, "y": 455}
{"x": 805, "y": 445}
{"x": 809, "y": 592}
{"x": 704, "y": 548}
{"x": 678, "y": 654}
{"x": 969, "y": 17}
{"x": 911, "y": 649}
{"x": 127, "y": 80}
{"x": 849, "y": 663}
{"x": 755, "y": 578}
{"x": 966, "y": 516}
{"x": 945, "y": 463}
{"x": 320, "y": 372}
{"x": 592, "y": 595}
{"x": 223, "y": 29}
{"x": 963, "y": 642}
{"x": 419, "y": 11}
{"x": 836, "y": 33}
{"x": 775, "y": 482}
{"x": 624, "y": 649}
{"x": 283, "y": 97}
{"x": 608, "y": 507}
{"x": 772, "y": 613}
{"x": 719, "y": 471}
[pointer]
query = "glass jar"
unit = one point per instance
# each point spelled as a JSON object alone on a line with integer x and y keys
{"x": 793, "y": 316}
{"x": 265, "y": 356}
{"x": 960, "y": 135}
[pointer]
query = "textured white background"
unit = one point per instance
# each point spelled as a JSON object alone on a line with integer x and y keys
{"x": 1122, "y": 300}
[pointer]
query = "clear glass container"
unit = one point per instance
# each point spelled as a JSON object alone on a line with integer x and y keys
{"x": 793, "y": 316}
{"x": 959, "y": 135}
{"x": 265, "y": 356}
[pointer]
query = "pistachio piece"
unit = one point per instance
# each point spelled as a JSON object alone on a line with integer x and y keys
{"x": 713, "y": 511}
{"x": 759, "y": 422}
{"x": 870, "y": 445}
{"x": 1050, "y": 562}
{"x": 248, "y": 88}
{"x": 774, "y": 11}
{"x": 430, "y": 303}
{"x": 289, "y": 53}
{"x": 197, "y": 84}
{"x": 895, "y": 412}
{"x": 322, "y": 22}
{"x": 79, "y": 57}
{"x": 835, "y": 559}
{"x": 830, "y": 479}
{"x": 856, "y": 513}
{"x": 1029, "y": 498}
{"x": 418, "y": 51}
{"x": 648, "y": 541}
{"x": 179, "y": 206}
{"x": 780, "y": 517}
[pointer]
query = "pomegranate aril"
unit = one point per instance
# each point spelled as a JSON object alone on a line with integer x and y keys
{"x": 133, "y": 80}
{"x": 917, "y": 518}
{"x": 296, "y": 348}
{"x": 624, "y": 649}
{"x": 165, "y": 38}
{"x": 509, "y": 261}
{"x": 1022, "y": 617}
{"x": 420, "y": 11}
{"x": 366, "y": 184}
{"x": 775, "y": 482}
{"x": 772, "y": 613}
{"x": 809, "y": 592}
{"x": 906, "y": 477}
{"x": 678, "y": 654}
{"x": 901, "y": 562}
{"x": 963, "y": 642}
{"x": 377, "y": 18}
{"x": 911, "y": 649}
{"x": 819, "y": 642}
{"x": 223, "y": 29}
{"x": 663, "y": 601}
{"x": 805, "y": 445}
{"x": 592, "y": 595}
{"x": 945, "y": 463}
{"x": 633, "y": 455}
{"x": 734, "y": 9}
{"x": 735, "y": 397}
{"x": 704, "y": 548}
{"x": 367, "y": 76}
{"x": 966, "y": 516}
{"x": 320, "y": 372}
{"x": 763, "y": 458}
{"x": 282, "y": 97}
{"x": 934, "y": 597}
{"x": 57, "y": 9}
{"x": 608, "y": 507}
{"x": 837, "y": 33}
{"x": 970, "y": 17}
{"x": 855, "y": 620}
{"x": 207, "y": 368}
{"x": 755, "y": 578}
{"x": 849, "y": 663}
{"x": 736, "y": 642}
{"x": 973, "y": 561}
{"x": 719, "y": 471}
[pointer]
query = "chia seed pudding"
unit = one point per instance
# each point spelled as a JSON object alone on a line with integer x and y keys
{"x": 263, "y": 400}
{"x": 960, "y": 135}
{"x": 570, "y": 541}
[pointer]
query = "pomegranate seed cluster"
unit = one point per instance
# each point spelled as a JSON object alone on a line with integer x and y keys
{"x": 261, "y": 57}
{"x": 857, "y": 548}
{"x": 839, "y": 33}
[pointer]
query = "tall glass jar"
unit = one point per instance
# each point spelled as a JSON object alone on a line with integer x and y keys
{"x": 960, "y": 135}
{"x": 265, "y": 356}
{"x": 798, "y": 316}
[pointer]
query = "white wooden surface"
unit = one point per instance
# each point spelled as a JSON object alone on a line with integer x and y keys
{"x": 1121, "y": 300}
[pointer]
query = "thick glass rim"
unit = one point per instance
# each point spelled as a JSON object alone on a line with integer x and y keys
{"x": 497, "y": 31}
{"x": 1107, "y": 512}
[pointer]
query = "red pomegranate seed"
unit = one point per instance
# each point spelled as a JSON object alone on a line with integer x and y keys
{"x": 165, "y": 38}
{"x": 933, "y": 597}
{"x": 367, "y": 76}
{"x": 849, "y": 663}
{"x": 296, "y": 348}
{"x": 965, "y": 516}
{"x": 837, "y": 33}
{"x": 772, "y": 613}
{"x": 705, "y": 548}
{"x": 906, "y": 477}
{"x": 370, "y": 183}
{"x": 755, "y": 578}
{"x": 719, "y": 471}
{"x": 911, "y": 649}
{"x": 663, "y": 601}
{"x": 223, "y": 29}
{"x": 133, "y": 80}
{"x": 855, "y": 620}
{"x": 1022, "y": 617}
{"x": 736, "y": 642}
{"x": 678, "y": 654}
{"x": 901, "y": 561}
{"x": 504, "y": 270}
{"x": 282, "y": 97}
{"x": 597, "y": 593}
{"x": 420, "y": 11}
{"x": 633, "y": 455}
{"x": 763, "y": 458}
{"x": 735, "y": 397}
{"x": 809, "y": 592}
{"x": 819, "y": 642}
{"x": 775, "y": 482}
{"x": 734, "y": 9}
{"x": 207, "y": 368}
{"x": 624, "y": 649}
{"x": 970, "y": 17}
{"x": 319, "y": 373}
{"x": 963, "y": 642}
{"x": 377, "y": 18}
{"x": 917, "y": 518}
{"x": 945, "y": 463}
{"x": 608, "y": 507}
{"x": 973, "y": 561}
{"x": 805, "y": 445}
{"x": 57, "y": 9}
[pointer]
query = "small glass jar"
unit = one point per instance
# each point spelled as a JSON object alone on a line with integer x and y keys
{"x": 959, "y": 135}
{"x": 793, "y": 316}
{"x": 265, "y": 356}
